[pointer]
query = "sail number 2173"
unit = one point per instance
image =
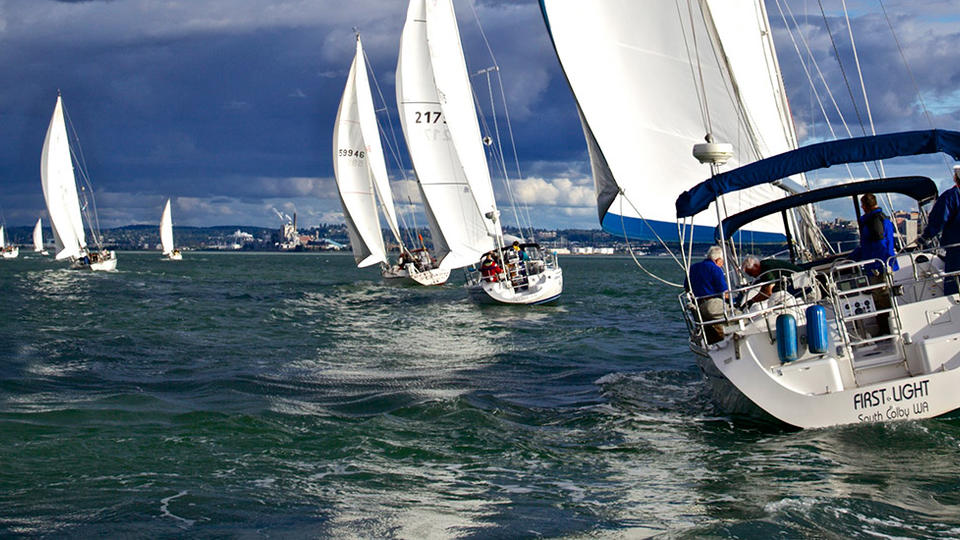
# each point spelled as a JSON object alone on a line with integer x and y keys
{"x": 428, "y": 117}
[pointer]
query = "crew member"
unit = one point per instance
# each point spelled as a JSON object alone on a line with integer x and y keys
{"x": 876, "y": 242}
{"x": 708, "y": 284}
{"x": 876, "y": 236}
{"x": 767, "y": 270}
{"x": 944, "y": 219}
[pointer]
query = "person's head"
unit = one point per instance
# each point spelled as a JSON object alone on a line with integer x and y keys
{"x": 868, "y": 202}
{"x": 516, "y": 245}
{"x": 715, "y": 254}
{"x": 751, "y": 266}
{"x": 956, "y": 174}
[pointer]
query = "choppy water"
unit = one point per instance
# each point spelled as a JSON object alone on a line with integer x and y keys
{"x": 296, "y": 396}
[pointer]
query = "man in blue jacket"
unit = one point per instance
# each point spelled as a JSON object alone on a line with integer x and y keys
{"x": 944, "y": 219}
{"x": 708, "y": 283}
{"x": 876, "y": 236}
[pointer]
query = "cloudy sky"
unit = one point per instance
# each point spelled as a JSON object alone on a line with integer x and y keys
{"x": 227, "y": 106}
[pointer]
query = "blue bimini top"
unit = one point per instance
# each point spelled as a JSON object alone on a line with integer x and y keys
{"x": 817, "y": 156}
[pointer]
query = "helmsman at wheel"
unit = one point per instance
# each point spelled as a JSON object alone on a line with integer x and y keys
{"x": 944, "y": 219}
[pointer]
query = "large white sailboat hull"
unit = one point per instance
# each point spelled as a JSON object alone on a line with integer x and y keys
{"x": 541, "y": 288}
{"x": 11, "y": 253}
{"x": 747, "y": 388}
{"x": 106, "y": 265}
{"x": 427, "y": 278}
{"x": 914, "y": 378}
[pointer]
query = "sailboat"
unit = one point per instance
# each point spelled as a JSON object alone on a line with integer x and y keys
{"x": 8, "y": 252}
{"x": 64, "y": 202}
{"x": 361, "y": 174}
{"x": 876, "y": 345}
{"x": 166, "y": 235}
{"x": 439, "y": 122}
{"x": 38, "y": 238}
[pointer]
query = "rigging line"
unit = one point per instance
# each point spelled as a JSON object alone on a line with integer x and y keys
{"x": 623, "y": 227}
{"x": 843, "y": 72}
{"x": 913, "y": 79}
{"x": 623, "y": 196}
{"x": 503, "y": 96}
{"x": 823, "y": 81}
{"x": 873, "y": 131}
{"x": 863, "y": 87}
{"x": 395, "y": 148}
{"x": 498, "y": 152}
{"x": 91, "y": 203}
{"x": 399, "y": 214}
{"x": 693, "y": 74}
{"x": 696, "y": 49}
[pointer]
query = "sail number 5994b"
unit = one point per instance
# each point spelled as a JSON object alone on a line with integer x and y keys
{"x": 350, "y": 152}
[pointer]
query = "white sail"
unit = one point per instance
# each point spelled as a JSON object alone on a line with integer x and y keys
{"x": 166, "y": 229}
{"x": 38, "y": 236}
{"x": 439, "y": 123}
{"x": 635, "y": 70}
{"x": 354, "y": 179}
{"x": 3, "y": 241}
{"x": 60, "y": 188}
{"x": 371, "y": 138}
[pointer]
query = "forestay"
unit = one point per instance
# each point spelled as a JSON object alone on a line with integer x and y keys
{"x": 635, "y": 70}
{"x": 354, "y": 179}
{"x": 60, "y": 188}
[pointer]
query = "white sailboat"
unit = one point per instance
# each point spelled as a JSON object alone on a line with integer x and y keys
{"x": 878, "y": 347}
{"x": 362, "y": 181}
{"x": 439, "y": 122}
{"x": 166, "y": 235}
{"x": 38, "y": 238}
{"x": 63, "y": 202}
{"x": 8, "y": 252}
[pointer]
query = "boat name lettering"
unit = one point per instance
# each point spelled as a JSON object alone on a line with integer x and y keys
{"x": 896, "y": 393}
{"x": 895, "y": 412}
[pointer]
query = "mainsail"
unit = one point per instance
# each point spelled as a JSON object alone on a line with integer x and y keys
{"x": 38, "y": 236}
{"x": 439, "y": 122}
{"x": 651, "y": 80}
{"x": 166, "y": 229}
{"x": 355, "y": 180}
{"x": 60, "y": 188}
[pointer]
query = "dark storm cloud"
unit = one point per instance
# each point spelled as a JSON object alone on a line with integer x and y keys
{"x": 228, "y": 105}
{"x": 231, "y": 98}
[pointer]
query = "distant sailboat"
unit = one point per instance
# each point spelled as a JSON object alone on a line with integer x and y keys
{"x": 64, "y": 203}
{"x": 9, "y": 252}
{"x": 166, "y": 235}
{"x": 38, "y": 238}
{"x": 361, "y": 175}
{"x": 439, "y": 121}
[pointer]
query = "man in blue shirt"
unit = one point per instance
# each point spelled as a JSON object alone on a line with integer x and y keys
{"x": 877, "y": 239}
{"x": 708, "y": 283}
{"x": 944, "y": 219}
